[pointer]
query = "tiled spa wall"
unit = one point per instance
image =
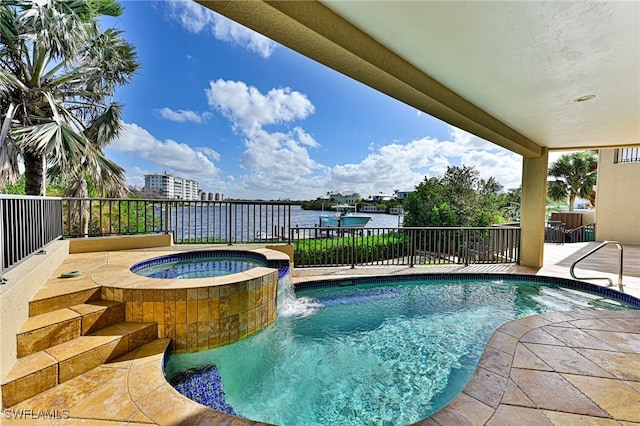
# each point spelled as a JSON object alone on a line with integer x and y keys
{"x": 206, "y": 317}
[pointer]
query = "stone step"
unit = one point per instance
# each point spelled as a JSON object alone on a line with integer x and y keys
{"x": 53, "y": 297}
{"x": 47, "y": 368}
{"x": 52, "y": 328}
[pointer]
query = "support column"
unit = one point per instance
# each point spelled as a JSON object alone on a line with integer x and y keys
{"x": 533, "y": 209}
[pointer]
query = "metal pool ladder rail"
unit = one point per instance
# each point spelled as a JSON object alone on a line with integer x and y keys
{"x": 620, "y": 253}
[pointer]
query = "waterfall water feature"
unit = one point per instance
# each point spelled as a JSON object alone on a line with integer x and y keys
{"x": 291, "y": 306}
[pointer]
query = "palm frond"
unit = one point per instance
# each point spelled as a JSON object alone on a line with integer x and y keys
{"x": 8, "y": 25}
{"x": 106, "y": 127}
{"x": 62, "y": 144}
{"x": 105, "y": 177}
{"x": 114, "y": 60}
{"x": 60, "y": 69}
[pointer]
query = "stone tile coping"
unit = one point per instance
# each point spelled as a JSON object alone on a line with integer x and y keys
{"x": 112, "y": 269}
{"x": 578, "y": 367}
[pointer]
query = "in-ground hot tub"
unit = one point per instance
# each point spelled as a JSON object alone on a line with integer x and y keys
{"x": 197, "y": 311}
{"x": 199, "y": 264}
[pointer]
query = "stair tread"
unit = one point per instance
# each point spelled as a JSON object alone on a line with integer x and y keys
{"x": 122, "y": 327}
{"x": 30, "y": 364}
{"x": 48, "y": 357}
{"x": 94, "y": 306}
{"x": 79, "y": 345}
{"x": 65, "y": 287}
{"x": 48, "y": 319}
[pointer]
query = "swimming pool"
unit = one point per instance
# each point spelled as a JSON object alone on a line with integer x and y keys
{"x": 380, "y": 350}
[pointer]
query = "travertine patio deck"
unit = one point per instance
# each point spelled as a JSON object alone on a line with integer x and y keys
{"x": 557, "y": 368}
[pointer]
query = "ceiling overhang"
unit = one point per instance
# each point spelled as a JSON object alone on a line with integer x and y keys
{"x": 498, "y": 78}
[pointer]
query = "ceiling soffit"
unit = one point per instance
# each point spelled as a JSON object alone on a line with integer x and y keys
{"x": 402, "y": 54}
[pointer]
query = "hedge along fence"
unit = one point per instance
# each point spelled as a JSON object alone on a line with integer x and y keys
{"x": 344, "y": 248}
{"x": 404, "y": 246}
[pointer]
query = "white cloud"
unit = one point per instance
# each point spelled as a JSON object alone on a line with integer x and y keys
{"x": 171, "y": 156}
{"x": 305, "y": 138}
{"x": 197, "y": 19}
{"x": 183, "y": 116}
{"x": 135, "y": 177}
{"x": 277, "y": 156}
{"x": 393, "y": 166}
{"x": 403, "y": 166}
{"x": 249, "y": 110}
{"x": 505, "y": 166}
{"x": 278, "y": 164}
{"x": 209, "y": 153}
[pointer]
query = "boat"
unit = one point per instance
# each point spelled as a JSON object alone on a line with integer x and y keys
{"x": 344, "y": 216}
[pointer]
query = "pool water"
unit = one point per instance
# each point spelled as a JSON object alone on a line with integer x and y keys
{"x": 201, "y": 267}
{"x": 374, "y": 354}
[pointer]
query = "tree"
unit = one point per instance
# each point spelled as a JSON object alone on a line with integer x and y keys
{"x": 58, "y": 74}
{"x": 574, "y": 176}
{"x": 459, "y": 198}
{"x": 511, "y": 210}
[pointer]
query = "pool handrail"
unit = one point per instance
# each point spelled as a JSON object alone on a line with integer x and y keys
{"x": 620, "y": 263}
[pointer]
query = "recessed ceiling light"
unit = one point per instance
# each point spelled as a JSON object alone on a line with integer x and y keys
{"x": 584, "y": 98}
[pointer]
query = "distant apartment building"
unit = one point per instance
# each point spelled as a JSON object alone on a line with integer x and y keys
{"x": 211, "y": 196}
{"x": 166, "y": 185}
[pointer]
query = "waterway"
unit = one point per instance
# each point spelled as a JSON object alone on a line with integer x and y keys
{"x": 248, "y": 222}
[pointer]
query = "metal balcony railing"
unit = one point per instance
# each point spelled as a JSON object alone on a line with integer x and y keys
{"x": 28, "y": 224}
{"x": 404, "y": 246}
{"x": 554, "y": 232}
{"x": 627, "y": 155}
{"x": 190, "y": 222}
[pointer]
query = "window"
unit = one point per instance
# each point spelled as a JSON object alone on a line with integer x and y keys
{"x": 627, "y": 155}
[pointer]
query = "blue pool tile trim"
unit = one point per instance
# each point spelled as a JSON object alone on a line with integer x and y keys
{"x": 204, "y": 386}
{"x": 201, "y": 254}
{"x": 562, "y": 282}
{"x": 283, "y": 271}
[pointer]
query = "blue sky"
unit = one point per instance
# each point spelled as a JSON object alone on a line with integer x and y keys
{"x": 247, "y": 117}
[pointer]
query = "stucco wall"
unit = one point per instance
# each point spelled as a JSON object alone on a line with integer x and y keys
{"x": 617, "y": 200}
{"x": 122, "y": 242}
{"x": 23, "y": 282}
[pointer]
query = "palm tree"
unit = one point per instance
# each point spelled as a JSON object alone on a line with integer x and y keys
{"x": 58, "y": 74}
{"x": 575, "y": 176}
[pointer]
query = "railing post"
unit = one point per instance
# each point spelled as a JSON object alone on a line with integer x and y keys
{"x": 41, "y": 219}
{"x": 518, "y": 242}
{"x": 353, "y": 250}
{"x": 3, "y": 220}
{"x": 412, "y": 247}
{"x": 228, "y": 223}
{"x": 289, "y": 221}
{"x": 465, "y": 247}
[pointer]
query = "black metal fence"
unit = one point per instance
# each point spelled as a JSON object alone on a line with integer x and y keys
{"x": 404, "y": 246}
{"x": 207, "y": 222}
{"x": 28, "y": 225}
{"x": 581, "y": 234}
{"x": 556, "y": 232}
